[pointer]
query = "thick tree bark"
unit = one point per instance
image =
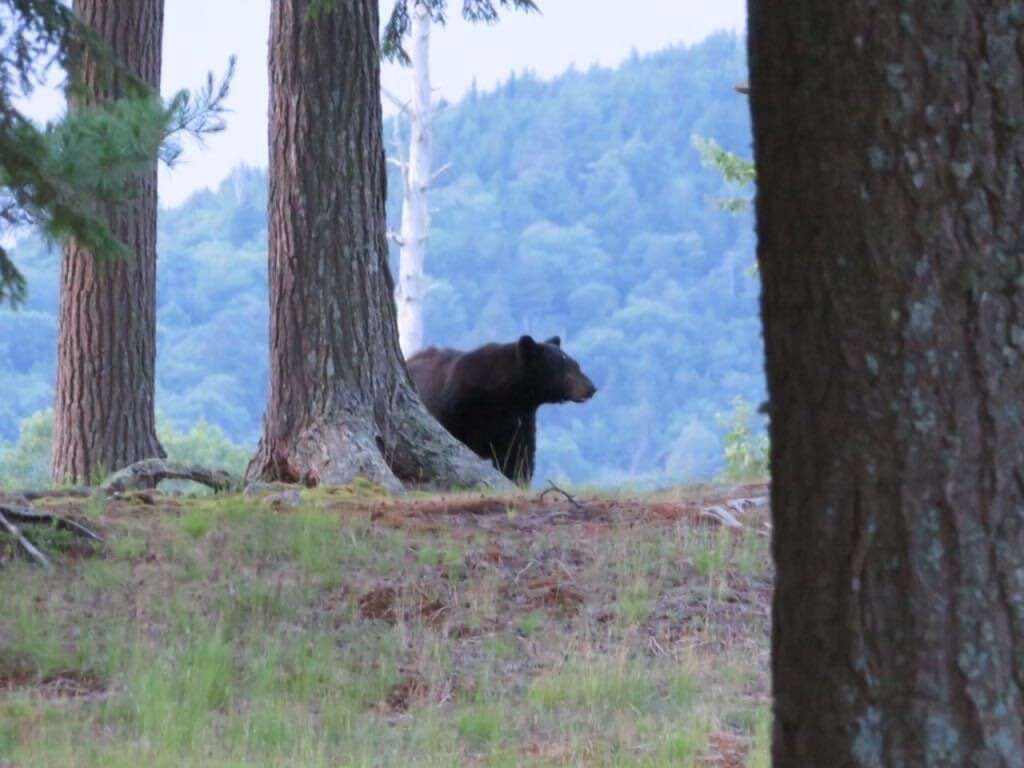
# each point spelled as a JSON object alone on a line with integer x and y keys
{"x": 340, "y": 403}
{"x": 416, "y": 176}
{"x": 106, "y": 347}
{"x": 890, "y": 160}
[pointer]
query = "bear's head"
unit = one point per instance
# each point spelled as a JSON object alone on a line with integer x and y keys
{"x": 555, "y": 377}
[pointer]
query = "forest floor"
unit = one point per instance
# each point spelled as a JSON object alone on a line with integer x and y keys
{"x": 340, "y": 627}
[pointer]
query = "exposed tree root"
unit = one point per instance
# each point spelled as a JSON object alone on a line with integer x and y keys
{"x": 148, "y": 473}
{"x": 142, "y": 475}
{"x": 404, "y": 446}
{"x": 24, "y": 514}
{"x": 80, "y": 492}
{"x": 12, "y": 511}
{"x": 422, "y": 453}
{"x": 334, "y": 454}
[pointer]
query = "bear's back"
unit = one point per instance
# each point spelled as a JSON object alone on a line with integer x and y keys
{"x": 429, "y": 370}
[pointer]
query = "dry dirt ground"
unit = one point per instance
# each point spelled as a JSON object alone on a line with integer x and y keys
{"x": 341, "y": 627}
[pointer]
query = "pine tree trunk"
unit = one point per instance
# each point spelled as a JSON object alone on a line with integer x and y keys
{"x": 106, "y": 347}
{"x": 341, "y": 403}
{"x": 889, "y": 150}
{"x": 416, "y": 177}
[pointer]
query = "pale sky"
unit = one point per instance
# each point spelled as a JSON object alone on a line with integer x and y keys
{"x": 200, "y": 35}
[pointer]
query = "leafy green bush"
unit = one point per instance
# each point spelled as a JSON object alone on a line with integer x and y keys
{"x": 746, "y": 453}
{"x": 205, "y": 444}
{"x": 734, "y": 169}
{"x": 26, "y": 463}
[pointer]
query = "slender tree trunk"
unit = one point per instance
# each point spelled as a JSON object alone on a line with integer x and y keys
{"x": 890, "y": 160}
{"x": 341, "y": 403}
{"x": 106, "y": 345}
{"x": 416, "y": 175}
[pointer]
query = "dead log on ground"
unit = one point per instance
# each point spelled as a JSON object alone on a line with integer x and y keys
{"x": 148, "y": 473}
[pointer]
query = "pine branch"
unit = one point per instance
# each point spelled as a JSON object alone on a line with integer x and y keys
{"x": 197, "y": 114}
{"x": 12, "y": 283}
{"x": 398, "y": 25}
{"x": 64, "y": 176}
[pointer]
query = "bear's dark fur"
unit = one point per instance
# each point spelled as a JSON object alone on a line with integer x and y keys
{"x": 488, "y": 397}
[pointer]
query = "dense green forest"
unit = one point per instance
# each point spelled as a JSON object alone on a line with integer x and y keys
{"x": 577, "y": 207}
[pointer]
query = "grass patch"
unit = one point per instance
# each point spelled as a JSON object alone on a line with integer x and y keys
{"x": 602, "y": 683}
{"x": 709, "y": 551}
{"x": 481, "y": 726}
{"x": 198, "y": 521}
{"x": 175, "y": 694}
{"x": 128, "y": 547}
{"x": 531, "y": 622}
{"x": 683, "y": 690}
{"x": 634, "y": 602}
{"x": 760, "y": 753}
{"x": 33, "y": 640}
{"x": 218, "y": 631}
{"x": 682, "y": 747}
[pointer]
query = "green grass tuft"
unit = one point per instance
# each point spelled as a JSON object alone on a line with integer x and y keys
{"x": 198, "y": 521}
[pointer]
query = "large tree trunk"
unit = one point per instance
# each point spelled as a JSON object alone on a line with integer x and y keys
{"x": 106, "y": 346}
{"x": 890, "y": 160}
{"x": 341, "y": 403}
{"x": 416, "y": 177}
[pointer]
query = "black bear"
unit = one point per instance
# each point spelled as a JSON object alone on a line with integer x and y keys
{"x": 488, "y": 398}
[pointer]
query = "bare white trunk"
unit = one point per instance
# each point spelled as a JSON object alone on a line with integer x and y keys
{"x": 417, "y": 177}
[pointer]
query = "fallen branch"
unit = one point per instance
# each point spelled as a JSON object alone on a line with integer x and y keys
{"x": 142, "y": 475}
{"x": 552, "y": 488}
{"x": 724, "y": 511}
{"x": 148, "y": 473}
{"x": 29, "y": 515}
{"x": 27, "y": 545}
{"x": 740, "y": 504}
{"x": 722, "y": 515}
{"x": 55, "y": 493}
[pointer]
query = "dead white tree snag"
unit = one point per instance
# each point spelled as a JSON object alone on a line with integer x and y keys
{"x": 416, "y": 179}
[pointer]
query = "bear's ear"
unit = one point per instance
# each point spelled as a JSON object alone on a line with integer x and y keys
{"x": 527, "y": 345}
{"x": 554, "y": 340}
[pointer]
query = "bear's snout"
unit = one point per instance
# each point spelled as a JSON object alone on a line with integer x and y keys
{"x": 581, "y": 389}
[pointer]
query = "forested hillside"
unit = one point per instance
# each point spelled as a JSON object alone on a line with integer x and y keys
{"x": 576, "y": 207}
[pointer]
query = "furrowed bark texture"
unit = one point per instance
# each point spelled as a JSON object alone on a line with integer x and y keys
{"x": 340, "y": 402}
{"x": 889, "y": 144}
{"x": 106, "y": 345}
